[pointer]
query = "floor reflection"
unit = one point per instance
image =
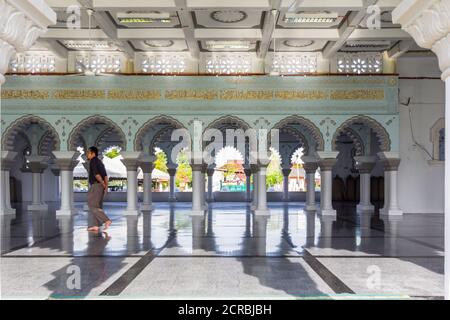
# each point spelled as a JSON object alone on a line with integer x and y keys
{"x": 226, "y": 231}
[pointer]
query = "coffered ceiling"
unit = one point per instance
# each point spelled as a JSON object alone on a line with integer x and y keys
{"x": 195, "y": 26}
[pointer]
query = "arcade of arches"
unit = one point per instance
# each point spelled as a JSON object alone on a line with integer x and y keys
{"x": 356, "y": 170}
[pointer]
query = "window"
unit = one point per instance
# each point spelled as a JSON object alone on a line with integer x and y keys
{"x": 442, "y": 144}
{"x": 31, "y": 62}
{"x": 360, "y": 63}
{"x": 437, "y": 138}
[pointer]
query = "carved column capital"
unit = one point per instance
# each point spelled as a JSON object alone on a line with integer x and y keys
{"x": 428, "y": 22}
{"x": 22, "y": 22}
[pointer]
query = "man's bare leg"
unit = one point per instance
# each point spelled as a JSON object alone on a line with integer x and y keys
{"x": 107, "y": 224}
{"x": 93, "y": 229}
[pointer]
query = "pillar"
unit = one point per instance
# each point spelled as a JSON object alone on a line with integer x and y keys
{"x": 57, "y": 173}
{"x": 391, "y": 161}
{"x": 7, "y": 163}
{"x": 131, "y": 162}
{"x": 37, "y": 165}
{"x": 197, "y": 178}
{"x": 286, "y": 173}
{"x": 365, "y": 166}
{"x": 66, "y": 161}
{"x": 428, "y": 24}
{"x": 172, "y": 172}
{"x": 261, "y": 204}
{"x": 255, "y": 170}
{"x": 326, "y": 163}
{"x": 210, "y": 195}
{"x": 203, "y": 187}
{"x": 248, "y": 193}
{"x": 147, "y": 168}
{"x": 310, "y": 172}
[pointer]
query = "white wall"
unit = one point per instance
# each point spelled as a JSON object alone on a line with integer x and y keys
{"x": 421, "y": 185}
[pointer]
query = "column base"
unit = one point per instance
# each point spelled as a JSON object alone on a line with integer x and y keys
{"x": 263, "y": 212}
{"x": 197, "y": 213}
{"x": 8, "y": 211}
{"x": 328, "y": 212}
{"x": 311, "y": 208}
{"x": 391, "y": 212}
{"x": 66, "y": 212}
{"x": 205, "y": 207}
{"x": 37, "y": 207}
{"x": 362, "y": 208}
{"x": 146, "y": 207}
{"x": 133, "y": 212}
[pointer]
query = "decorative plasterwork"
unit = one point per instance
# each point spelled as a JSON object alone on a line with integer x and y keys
{"x": 76, "y": 132}
{"x": 381, "y": 133}
{"x": 228, "y": 16}
{"x": 32, "y": 63}
{"x": 359, "y": 63}
{"x": 21, "y": 124}
{"x": 143, "y": 130}
{"x": 19, "y": 29}
{"x": 428, "y": 22}
{"x": 309, "y": 126}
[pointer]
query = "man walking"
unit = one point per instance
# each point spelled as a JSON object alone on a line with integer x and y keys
{"x": 98, "y": 186}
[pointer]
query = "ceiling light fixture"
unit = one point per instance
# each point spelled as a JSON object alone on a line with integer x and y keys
{"x": 142, "y": 17}
{"x": 310, "y": 17}
{"x": 227, "y": 44}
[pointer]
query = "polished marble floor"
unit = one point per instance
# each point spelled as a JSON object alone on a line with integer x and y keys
{"x": 228, "y": 254}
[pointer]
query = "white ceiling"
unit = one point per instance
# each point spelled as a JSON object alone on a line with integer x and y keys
{"x": 194, "y": 23}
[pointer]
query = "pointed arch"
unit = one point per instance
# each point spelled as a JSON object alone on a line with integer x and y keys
{"x": 75, "y": 137}
{"x": 380, "y": 132}
{"x": 20, "y": 125}
{"x": 171, "y": 124}
{"x": 310, "y": 128}
{"x": 230, "y": 121}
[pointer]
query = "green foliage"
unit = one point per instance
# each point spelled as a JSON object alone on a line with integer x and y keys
{"x": 274, "y": 175}
{"x": 184, "y": 170}
{"x": 112, "y": 153}
{"x": 161, "y": 161}
{"x": 230, "y": 170}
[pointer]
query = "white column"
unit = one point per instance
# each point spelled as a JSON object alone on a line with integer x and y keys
{"x": 286, "y": 173}
{"x": 210, "y": 173}
{"x": 7, "y": 162}
{"x": 365, "y": 166}
{"x": 131, "y": 162}
{"x": 197, "y": 208}
{"x": 57, "y": 173}
{"x": 172, "y": 172}
{"x": 429, "y": 25}
{"x": 261, "y": 205}
{"x": 255, "y": 170}
{"x": 391, "y": 162}
{"x": 66, "y": 161}
{"x": 447, "y": 190}
{"x": 248, "y": 194}
{"x": 310, "y": 171}
{"x": 37, "y": 165}
{"x": 326, "y": 163}
{"x": 203, "y": 187}
{"x": 147, "y": 168}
